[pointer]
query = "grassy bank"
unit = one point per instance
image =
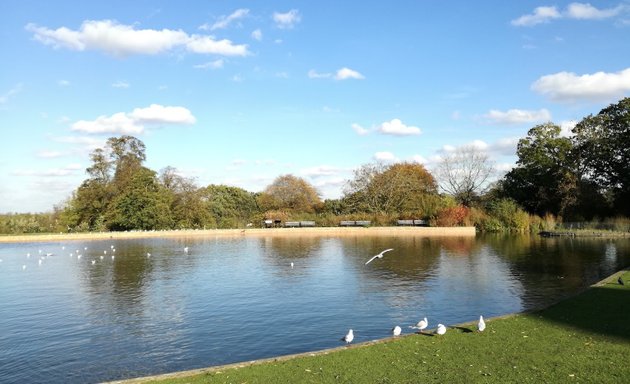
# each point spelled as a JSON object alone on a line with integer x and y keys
{"x": 584, "y": 339}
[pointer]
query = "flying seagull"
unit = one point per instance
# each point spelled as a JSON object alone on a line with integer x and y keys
{"x": 441, "y": 329}
{"x": 379, "y": 256}
{"x": 396, "y": 331}
{"x": 481, "y": 325}
{"x": 620, "y": 280}
{"x": 422, "y": 324}
{"x": 348, "y": 337}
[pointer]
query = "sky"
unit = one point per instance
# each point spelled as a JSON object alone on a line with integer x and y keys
{"x": 241, "y": 92}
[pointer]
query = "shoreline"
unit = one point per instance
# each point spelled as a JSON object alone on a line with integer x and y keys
{"x": 314, "y": 231}
{"x": 282, "y": 358}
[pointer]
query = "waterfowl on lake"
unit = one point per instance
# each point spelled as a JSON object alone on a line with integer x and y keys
{"x": 396, "y": 331}
{"x": 441, "y": 329}
{"x": 379, "y": 256}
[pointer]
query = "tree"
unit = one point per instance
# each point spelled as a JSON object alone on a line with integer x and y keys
{"x": 144, "y": 204}
{"x": 465, "y": 173}
{"x": 544, "y": 179}
{"x": 290, "y": 192}
{"x": 127, "y": 154}
{"x": 229, "y": 207}
{"x": 397, "y": 189}
{"x": 187, "y": 202}
{"x": 602, "y": 149}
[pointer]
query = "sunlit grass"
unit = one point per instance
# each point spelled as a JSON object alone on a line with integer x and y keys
{"x": 584, "y": 339}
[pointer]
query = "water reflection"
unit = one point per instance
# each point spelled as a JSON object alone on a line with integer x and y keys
{"x": 71, "y": 320}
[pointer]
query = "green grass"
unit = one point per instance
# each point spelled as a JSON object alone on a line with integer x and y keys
{"x": 584, "y": 339}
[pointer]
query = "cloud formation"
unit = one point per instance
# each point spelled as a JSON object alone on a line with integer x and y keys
{"x": 287, "y": 20}
{"x": 123, "y": 40}
{"x": 347, "y": 73}
{"x": 517, "y": 116}
{"x": 568, "y": 86}
{"x": 135, "y": 122}
{"x": 10, "y": 93}
{"x": 575, "y": 11}
{"x": 396, "y": 127}
{"x": 341, "y": 74}
{"x": 225, "y": 21}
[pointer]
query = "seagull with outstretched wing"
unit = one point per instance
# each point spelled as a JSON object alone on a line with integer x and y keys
{"x": 379, "y": 256}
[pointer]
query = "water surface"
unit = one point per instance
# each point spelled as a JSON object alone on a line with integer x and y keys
{"x": 98, "y": 318}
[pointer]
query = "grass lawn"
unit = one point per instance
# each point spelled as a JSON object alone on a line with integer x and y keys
{"x": 584, "y": 339}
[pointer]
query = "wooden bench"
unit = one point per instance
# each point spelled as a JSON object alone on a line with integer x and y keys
{"x": 356, "y": 223}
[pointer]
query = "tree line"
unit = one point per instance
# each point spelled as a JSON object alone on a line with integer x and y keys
{"x": 584, "y": 176}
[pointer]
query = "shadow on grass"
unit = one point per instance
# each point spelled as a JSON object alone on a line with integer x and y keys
{"x": 603, "y": 309}
{"x": 463, "y": 329}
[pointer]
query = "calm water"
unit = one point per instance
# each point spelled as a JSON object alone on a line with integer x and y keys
{"x": 89, "y": 319}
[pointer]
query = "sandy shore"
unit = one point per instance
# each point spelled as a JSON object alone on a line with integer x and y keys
{"x": 317, "y": 231}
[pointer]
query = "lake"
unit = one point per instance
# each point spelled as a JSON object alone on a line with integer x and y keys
{"x": 93, "y": 318}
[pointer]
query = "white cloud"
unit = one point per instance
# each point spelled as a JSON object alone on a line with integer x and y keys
{"x": 51, "y": 172}
{"x": 566, "y": 127}
{"x": 419, "y": 159}
{"x": 320, "y": 171}
{"x": 347, "y": 73}
{"x": 517, "y": 116}
{"x": 385, "y": 156}
{"x": 118, "y": 123}
{"x": 10, "y": 93}
{"x": 225, "y": 21}
{"x": 208, "y": 45}
{"x": 585, "y": 11}
{"x": 216, "y": 64}
{"x": 136, "y": 121}
{"x": 505, "y": 146}
{"x": 360, "y": 130}
{"x": 540, "y": 15}
{"x": 567, "y": 86}
{"x": 158, "y": 114}
{"x": 287, "y": 20}
{"x": 575, "y": 11}
{"x": 63, "y": 83}
{"x": 123, "y": 40}
{"x": 257, "y": 35}
{"x": 397, "y": 128}
{"x": 120, "y": 84}
{"x": 312, "y": 74}
{"x": 49, "y": 154}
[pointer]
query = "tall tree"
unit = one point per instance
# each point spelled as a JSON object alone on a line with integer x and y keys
{"x": 602, "y": 147}
{"x": 394, "y": 189}
{"x": 465, "y": 174}
{"x": 290, "y": 192}
{"x": 144, "y": 204}
{"x": 544, "y": 179}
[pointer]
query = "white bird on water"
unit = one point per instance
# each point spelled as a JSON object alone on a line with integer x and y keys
{"x": 421, "y": 325}
{"x": 481, "y": 325}
{"x": 396, "y": 331}
{"x": 379, "y": 256}
{"x": 348, "y": 337}
{"x": 185, "y": 249}
{"x": 441, "y": 329}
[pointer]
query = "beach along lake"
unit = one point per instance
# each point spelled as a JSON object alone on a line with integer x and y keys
{"x": 93, "y": 311}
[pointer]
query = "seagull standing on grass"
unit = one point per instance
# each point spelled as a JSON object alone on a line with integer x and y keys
{"x": 441, "y": 329}
{"x": 379, "y": 256}
{"x": 396, "y": 331}
{"x": 348, "y": 337}
{"x": 422, "y": 324}
{"x": 481, "y": 325}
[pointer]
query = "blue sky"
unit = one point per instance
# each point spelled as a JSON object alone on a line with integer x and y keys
{"x": 240, "y": 92}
